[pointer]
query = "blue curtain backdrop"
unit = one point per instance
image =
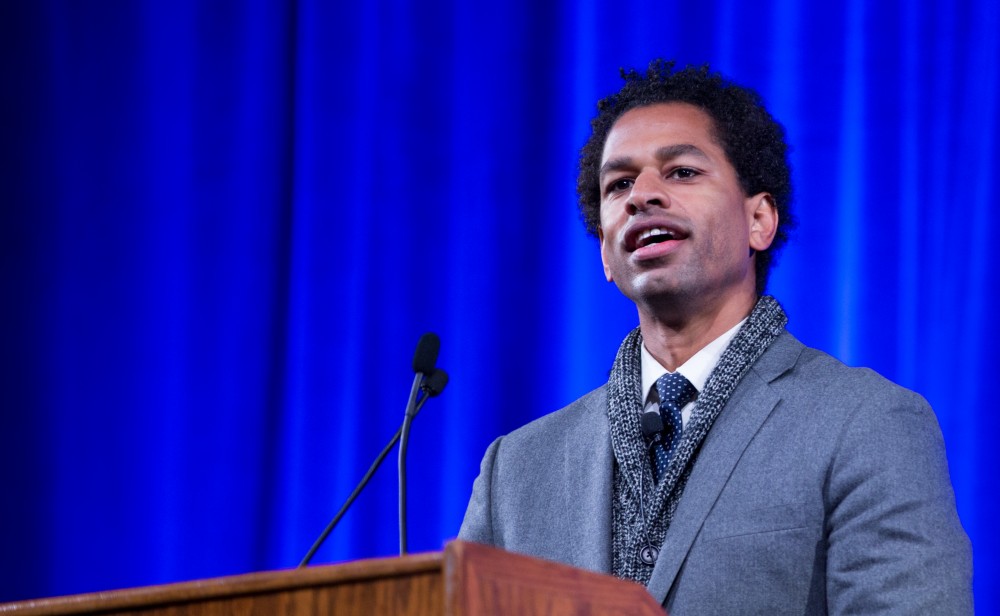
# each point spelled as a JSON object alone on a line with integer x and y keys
{"x": 226, "y": 224}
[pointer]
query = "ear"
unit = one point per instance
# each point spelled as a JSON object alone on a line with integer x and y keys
{"x": 763, "y": 217}
{"x": 604, "y": 258}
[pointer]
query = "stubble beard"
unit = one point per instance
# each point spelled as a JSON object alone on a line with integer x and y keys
{"x": 675, "y": 295}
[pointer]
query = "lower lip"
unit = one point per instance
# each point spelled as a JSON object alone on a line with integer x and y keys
{"x": 655, "y": 251}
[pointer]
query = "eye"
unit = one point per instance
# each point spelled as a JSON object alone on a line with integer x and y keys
{"x": 684, "y": 173}
{"x": 620, "y": 185}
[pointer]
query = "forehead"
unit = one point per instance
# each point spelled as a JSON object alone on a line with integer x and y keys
{"x": 659, "y": 125}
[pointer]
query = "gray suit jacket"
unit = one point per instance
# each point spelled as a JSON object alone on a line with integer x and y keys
{"x": 820, "y": 489}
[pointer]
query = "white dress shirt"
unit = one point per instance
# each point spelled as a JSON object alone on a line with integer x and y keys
{"x": 695, "y": 370}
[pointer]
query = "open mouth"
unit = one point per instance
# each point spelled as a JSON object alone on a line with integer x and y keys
{"x": 654, "y": 236}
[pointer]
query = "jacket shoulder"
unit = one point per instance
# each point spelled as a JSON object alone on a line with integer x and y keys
{"x": 804, "y": 374}
{"x": 584, "y": 411}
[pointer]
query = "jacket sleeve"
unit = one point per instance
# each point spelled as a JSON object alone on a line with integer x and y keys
{"x": 478, "y": 523}
{"x": 895, "y": 543}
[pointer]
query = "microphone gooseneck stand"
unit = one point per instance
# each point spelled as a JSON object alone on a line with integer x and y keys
{"x": 430, "y": 381}
{"x": 430, "y": 391}
{"x": 423, "y": 364}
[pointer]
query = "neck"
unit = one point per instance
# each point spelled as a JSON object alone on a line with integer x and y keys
{"x": 673, "y": 337}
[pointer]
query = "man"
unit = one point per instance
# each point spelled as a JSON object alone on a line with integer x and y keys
{"x": 724, "y": 465}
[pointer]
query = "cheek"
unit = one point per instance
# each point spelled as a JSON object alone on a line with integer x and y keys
{"x": 733, "y": 223}
{"x": 604, "y": 216}
{"x": 605, "y": 257}
{"x": 611, "y": 226}
{"x": 612, "y": 220}
{"x": 731, "y": 236}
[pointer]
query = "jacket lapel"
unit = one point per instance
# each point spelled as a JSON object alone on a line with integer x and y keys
{"x": 747, "y": 410}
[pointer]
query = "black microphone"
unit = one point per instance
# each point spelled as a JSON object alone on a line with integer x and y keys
{"x": 423, "y": 364}
{"x": 434, "y": 385}
{"x": 652, "y": 425}
{"x": 426, "y": 354}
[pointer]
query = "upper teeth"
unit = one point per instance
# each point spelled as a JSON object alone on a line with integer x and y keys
{"x": 645, "y": 235}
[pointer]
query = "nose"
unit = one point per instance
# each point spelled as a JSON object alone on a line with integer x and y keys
{"x": 647, "y": 191}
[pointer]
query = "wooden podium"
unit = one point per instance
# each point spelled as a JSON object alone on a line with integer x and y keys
{"x": 463, "y": 580}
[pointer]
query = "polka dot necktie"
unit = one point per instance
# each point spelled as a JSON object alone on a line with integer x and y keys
{"x": 675, "y": 391}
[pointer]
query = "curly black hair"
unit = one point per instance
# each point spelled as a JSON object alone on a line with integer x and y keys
{"x": 754, "y": 142}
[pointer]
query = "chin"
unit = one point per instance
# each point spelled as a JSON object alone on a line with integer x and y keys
{"x": 661, "y": 293}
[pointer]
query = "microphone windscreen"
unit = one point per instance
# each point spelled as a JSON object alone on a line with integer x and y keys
{"x": 427, "y": 353}
{"x": 436, "y": 382}
{"x": 651, "y": 423}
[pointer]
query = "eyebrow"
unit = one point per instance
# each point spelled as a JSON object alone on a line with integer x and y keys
{"x": 663, "y": 154}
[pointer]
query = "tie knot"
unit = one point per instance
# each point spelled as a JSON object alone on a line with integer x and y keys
{"x": 675, "y": 390}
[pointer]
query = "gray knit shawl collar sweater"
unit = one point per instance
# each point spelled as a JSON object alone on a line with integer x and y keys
{"x": 631, "y": 530}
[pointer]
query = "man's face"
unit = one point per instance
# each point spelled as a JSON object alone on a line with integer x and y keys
{"x": 675, "y": 224}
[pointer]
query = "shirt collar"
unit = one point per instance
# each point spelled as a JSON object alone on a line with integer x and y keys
{"x": 696, "y": 369}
